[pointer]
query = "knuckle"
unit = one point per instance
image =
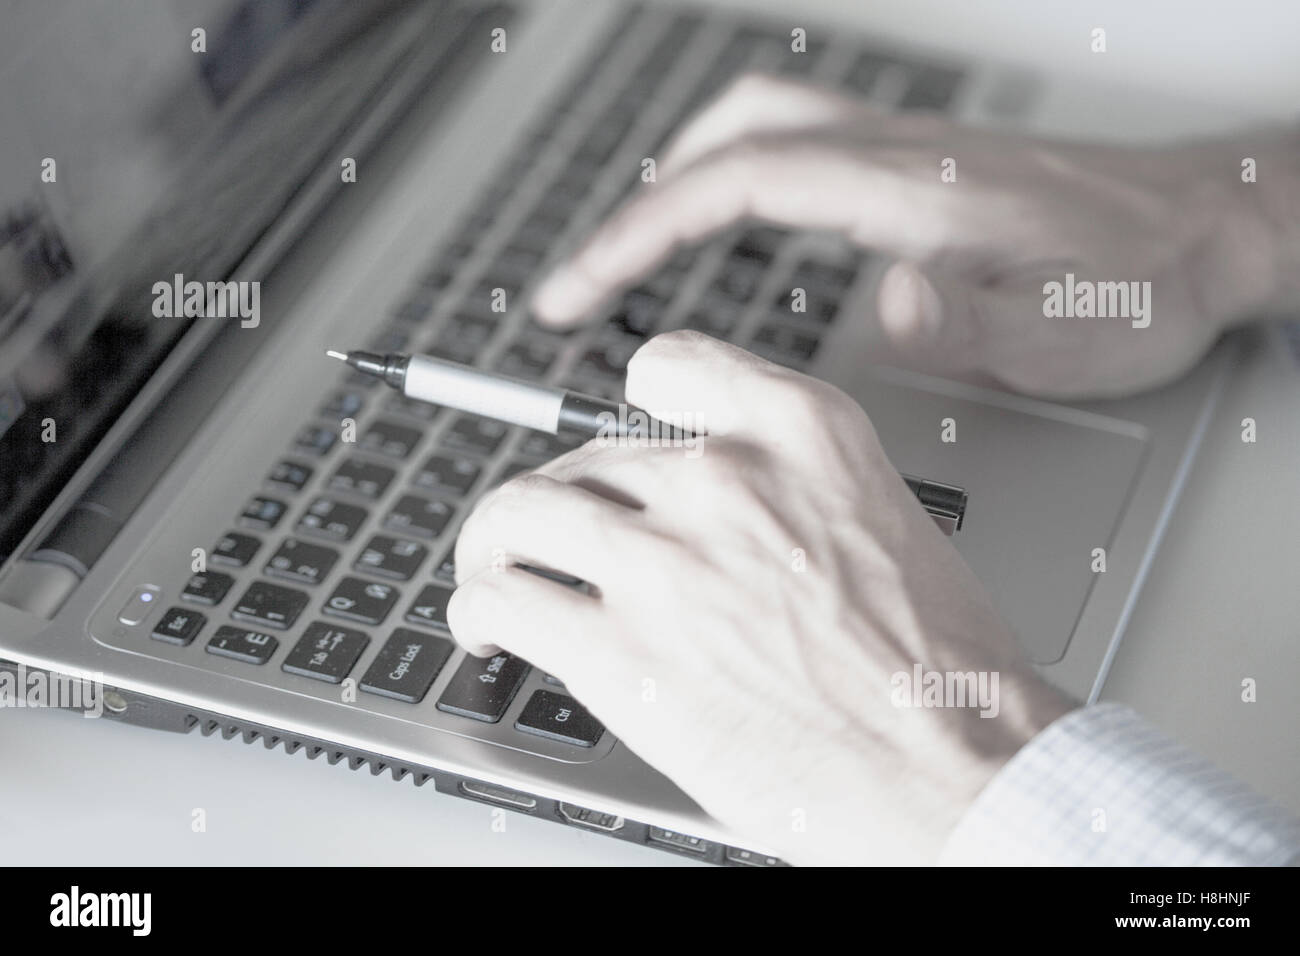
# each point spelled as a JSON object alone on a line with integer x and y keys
{"x": 808, "y": 406}
{"x": 530, "y": 484}
{"x": 749, "y": 84}
{"x": 743, "y": 161}
{"x": 664, "y": 348}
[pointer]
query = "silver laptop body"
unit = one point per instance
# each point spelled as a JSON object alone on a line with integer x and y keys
{"x": 474, "y": 169}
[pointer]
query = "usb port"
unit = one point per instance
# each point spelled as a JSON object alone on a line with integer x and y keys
{"x": 678, "y": 841}
{"x": 590, "y": 819}
{"x": 499, "y": 795}
{"x": 749, "y": 858}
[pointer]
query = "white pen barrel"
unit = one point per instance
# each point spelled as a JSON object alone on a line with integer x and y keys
{"x": 482, "y": 393}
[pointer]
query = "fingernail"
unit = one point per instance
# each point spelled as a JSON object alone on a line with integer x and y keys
{"x": 560, "y": 296}
{"x": 929, "y": 305}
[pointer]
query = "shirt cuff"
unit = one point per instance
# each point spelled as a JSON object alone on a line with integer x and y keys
{"x": 1102, "y": 787}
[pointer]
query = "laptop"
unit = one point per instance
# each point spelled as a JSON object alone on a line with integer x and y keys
{"x": 194, "y": 214}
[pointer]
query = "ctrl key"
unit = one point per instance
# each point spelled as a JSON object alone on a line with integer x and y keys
{"x": 251, "y": 647}
{"x": 559, "y": 717}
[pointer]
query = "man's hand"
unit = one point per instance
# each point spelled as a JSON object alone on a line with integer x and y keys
{"x": 974, "y": 254}
{"x": 752, "y": 600}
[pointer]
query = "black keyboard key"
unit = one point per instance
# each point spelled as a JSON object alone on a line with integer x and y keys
{"x": 251, "y": 647}
{"x": 517, "y": 261}
{"x": 399, "y": 404}
{"x": 829, "y": 278}
{"x": 392, "y": 339}
{"x": 717, "y": 322}
{"x": 326, "y": 652}
{"x": 785, "y": 345}
{"x": 445, "y": 569}
{"x": 511, "y": 469}
{"x": 483, "y": 687}
{"x": 430, "y": 607}
{"x": 390, "y": 439}
{"x": 862, "y": 76}
{"x": 300, "y": 561}
{"x": 344, "y": 403}
{"x": 363, "y": 478}
{"x": 208, "y": 587}
{"x": 449, "y": 474}
{"x": 388, "y": 557}
{"x": 263, "y": 513}
{"x": 559, "y": 717}
{"x": 290, "y": 474}
{"x": 638, "y": 313}
{"x": 270, "y": 605}
{"x": 425, "y": 517}
{"x": 417, "y": 308}
{"x": 758, "y": 247}
{"x": 738, "y": 279}
{"x": 479, "y": 436}
{"x": 463, "y": 338}
{"x": 932, "y": 88}
{"x": 235, "y": 549}
{"x": 818, "y": 309}
{"x": 332, "y": 519}
{"x": 361, "y": 380}
{"x": 179, "y": 626}
{"x": 315, "y": 440}
{"x": 607, "y": 359}
{"x": 406, "y": 667}
{"x": 527, "y": 360}
{"x": 452, "y": 350}
{"x": 365, "y": 601}
{"x": 542, "y": 446}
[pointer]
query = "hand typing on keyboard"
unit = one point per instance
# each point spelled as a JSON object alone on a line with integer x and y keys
{"x": 980, "y": 222}
{"x": 751, "y": 608}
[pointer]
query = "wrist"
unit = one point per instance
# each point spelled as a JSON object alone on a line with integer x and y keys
{"x": 1265, "y": 247}
{"x": 1281, "y": 210}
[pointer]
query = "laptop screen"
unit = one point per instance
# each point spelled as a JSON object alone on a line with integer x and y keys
{"x": 143, "y": 142}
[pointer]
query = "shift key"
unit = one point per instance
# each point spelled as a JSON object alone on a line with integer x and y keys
{"x": 483, "y": 687}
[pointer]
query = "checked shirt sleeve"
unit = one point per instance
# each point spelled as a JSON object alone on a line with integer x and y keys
{"x": 1102, "y": 787}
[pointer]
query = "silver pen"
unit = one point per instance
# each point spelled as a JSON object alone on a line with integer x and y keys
{"x": 546, "y": 408}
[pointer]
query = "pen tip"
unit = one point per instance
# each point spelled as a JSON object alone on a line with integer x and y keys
{"x": 341, "y": 356}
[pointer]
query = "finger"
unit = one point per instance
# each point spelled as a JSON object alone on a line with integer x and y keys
{"x": 719, "y": 388}
{"x": 760, "y": 103}
{"x": 927, "y": 314}
{"x": 534, "y": 519}
{"x": 876, "y": 197}
{"x": 545, "y": 623}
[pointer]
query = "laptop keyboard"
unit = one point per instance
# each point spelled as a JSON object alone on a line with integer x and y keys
{"x": 340, "y": 565}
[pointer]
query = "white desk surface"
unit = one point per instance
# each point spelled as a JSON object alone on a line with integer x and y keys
{"x": 1222, "y": 602}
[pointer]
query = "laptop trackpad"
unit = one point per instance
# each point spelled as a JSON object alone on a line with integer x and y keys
{"x": 1047, "y": 485}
